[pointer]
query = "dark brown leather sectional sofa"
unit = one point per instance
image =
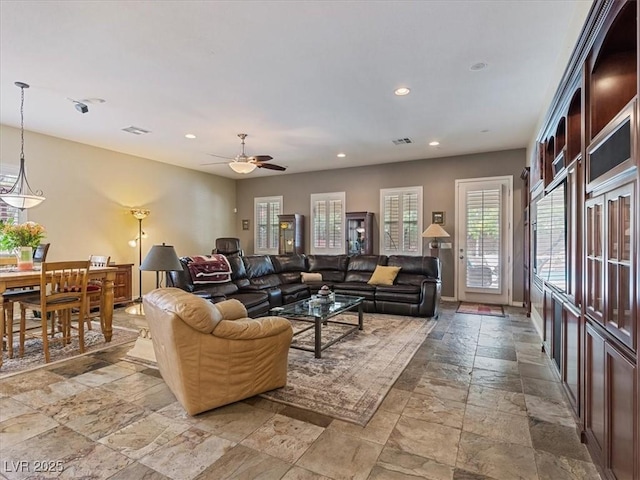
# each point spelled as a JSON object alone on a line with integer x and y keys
{"x": 262, "y": 282}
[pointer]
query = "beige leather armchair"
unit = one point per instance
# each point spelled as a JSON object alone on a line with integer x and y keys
{"x": 212, "y": 354}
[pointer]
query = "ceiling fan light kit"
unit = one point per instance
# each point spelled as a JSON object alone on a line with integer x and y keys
{"x": 242, "y": 167}
{"x": 245, "y": 164}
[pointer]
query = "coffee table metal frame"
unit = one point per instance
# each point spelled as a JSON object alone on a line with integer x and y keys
{"x": 319, "y": 315}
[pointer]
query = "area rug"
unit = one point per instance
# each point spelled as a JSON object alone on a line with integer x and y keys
{"x": 34, "y": 357}
{"x": 354, "y": 375}
{"x": 480, "y": 309}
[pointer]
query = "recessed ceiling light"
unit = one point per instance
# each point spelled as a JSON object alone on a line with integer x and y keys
{"x": 190, "y": 135}
{"x": 486, "y": 130}
{"x": 478, "y": 66}
{"x": 93, "y": 101}
{"x": 402, "y": 91}
{"x": 341, "y": 155}
{"x": 434, "y": 143}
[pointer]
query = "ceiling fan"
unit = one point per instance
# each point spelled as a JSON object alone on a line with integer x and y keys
{"x": 245, "y": 164}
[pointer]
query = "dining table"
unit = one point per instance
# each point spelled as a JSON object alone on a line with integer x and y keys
{"x": 11, "y": 278}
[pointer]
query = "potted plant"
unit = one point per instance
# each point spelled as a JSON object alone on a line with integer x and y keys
{"x": 21, "y": 239}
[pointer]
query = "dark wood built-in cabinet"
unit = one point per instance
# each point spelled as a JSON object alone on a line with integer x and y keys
{"x": 359, "y": 239}
{"x": 290, "y": 234}
{"x": 583, "y": 246}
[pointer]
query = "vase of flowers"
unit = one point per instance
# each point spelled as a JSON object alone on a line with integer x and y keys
{"x": 21, "y": 239}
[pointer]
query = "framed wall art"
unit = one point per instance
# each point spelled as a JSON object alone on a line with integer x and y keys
{"x": 437, "y": 218}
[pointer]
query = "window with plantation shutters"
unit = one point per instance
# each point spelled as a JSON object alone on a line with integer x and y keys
{"x": 327, "y": 223}
{"x": 266, "y": 211}
{"x": 483, "y": 240}
{"x": 401, "y": 226}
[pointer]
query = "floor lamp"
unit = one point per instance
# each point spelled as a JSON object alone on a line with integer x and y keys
{"x": 140, "y": 214}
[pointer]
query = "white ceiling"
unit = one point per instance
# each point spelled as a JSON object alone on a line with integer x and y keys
{"x": 305, "y": 79}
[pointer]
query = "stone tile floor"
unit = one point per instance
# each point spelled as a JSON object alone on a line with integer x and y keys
{"x": 478, "y": 401}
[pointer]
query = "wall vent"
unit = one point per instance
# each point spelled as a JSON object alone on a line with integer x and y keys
{"x": 402, "y": 141}
{"x": 135, "y": 130}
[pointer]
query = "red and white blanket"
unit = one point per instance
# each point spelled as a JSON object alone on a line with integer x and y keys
{"x": 209, "y": 268}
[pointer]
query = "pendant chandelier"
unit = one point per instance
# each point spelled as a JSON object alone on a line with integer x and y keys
{"x": 20, "y": 194}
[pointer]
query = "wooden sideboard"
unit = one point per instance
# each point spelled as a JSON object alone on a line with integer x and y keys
{"x": 122, "y": 286}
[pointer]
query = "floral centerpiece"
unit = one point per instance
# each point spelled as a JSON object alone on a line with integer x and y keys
{"x": 21, "y": 238}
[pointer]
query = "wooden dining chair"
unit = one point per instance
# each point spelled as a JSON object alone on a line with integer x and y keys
{"x": 63, "y": 290}
{"x": 94, "y": 289}
{"x": 40, "y": 253}
{"x": 13, "y": 295}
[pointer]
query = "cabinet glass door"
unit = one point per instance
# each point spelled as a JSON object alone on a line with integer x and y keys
{"x": 287, "y": 238}
{"x": 619, "y": 319}
{"x": 594, "y": 289}
{"x": 355, "y": 236}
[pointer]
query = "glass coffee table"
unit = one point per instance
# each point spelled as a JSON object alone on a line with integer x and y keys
{"x": 319, "y": 314}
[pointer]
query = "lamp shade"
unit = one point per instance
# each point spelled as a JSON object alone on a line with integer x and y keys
{"x": 140, "y": 213}
{"x": 435, "y": 231}
{"x": 21, "y": 200}
{"x": 161, "y": 258}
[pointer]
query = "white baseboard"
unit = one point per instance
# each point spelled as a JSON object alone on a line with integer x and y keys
{"x": 449, "y": 299}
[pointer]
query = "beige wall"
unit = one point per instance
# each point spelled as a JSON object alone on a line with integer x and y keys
{"x": 89, "y": 192}
{"x": 362, "y": 186}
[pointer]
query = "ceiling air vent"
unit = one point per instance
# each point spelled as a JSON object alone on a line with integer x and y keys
{"x": 402, "y": 141}
{"x": 135, "y": 130}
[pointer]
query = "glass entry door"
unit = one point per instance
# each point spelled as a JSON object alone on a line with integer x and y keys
{"x": 483, "y": 219}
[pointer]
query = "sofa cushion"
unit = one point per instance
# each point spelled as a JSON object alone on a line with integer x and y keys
{"x": 218, "y": 289}
{"x": 383, "y": 275}
{"x": 289, "y": 277}
{"x": 253, "y": 299}
{"x": 308, "y": 277}
{"x": 258, "y": 266}
{"x": 294, "y": 291}
{"x": 289, "y": 263}
{"x": 266, "y": 281}
{"x": 361, "y": 267}
{"x": 319, "y": 263}
{"x": 238, "y": 271}
{"x": 398, "y": 289}
{"x": 427, "y": 266}
{"x": 399, "y": 293}
{"x": 356, "y": 289}
{"x": 365, "y": 263}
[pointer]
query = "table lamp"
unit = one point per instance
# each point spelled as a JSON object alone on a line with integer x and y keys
{"x": 436, "y": 232}
{"x": 161, "y": 258}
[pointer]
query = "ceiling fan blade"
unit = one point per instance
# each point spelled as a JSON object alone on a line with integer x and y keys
{"x": 214, "y": 163}
{"x": 271, "y": 166}
{"x": 220, "y": 156}
{"x": 262, "y": 158}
